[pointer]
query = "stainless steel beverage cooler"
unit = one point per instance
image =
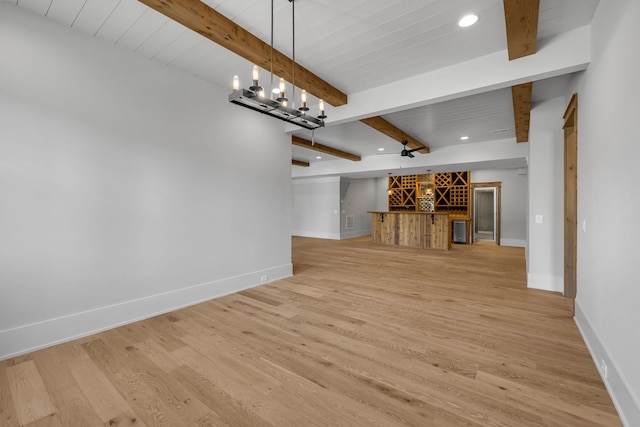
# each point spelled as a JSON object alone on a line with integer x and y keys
{"x": 459, "y": 232}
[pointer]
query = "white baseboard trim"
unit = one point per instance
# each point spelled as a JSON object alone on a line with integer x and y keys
{"x": 351, "y": 234}
{"x": 318, "y": 235}
{"x": 545, "y": 282}
{"x": 513, "y": 242}
{"x": 35, "y": 336}
{"x": 626, "y": 403}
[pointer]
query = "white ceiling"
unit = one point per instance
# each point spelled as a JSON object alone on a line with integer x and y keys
{"x": 355, "y": 45}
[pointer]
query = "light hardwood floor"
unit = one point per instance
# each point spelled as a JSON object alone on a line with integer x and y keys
{"x": 362, "y": 335}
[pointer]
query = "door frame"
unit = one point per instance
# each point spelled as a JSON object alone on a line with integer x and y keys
{"x": 570, "y": 128}
{"x": 494, "y": 214}
{"x": 498, "y": 187}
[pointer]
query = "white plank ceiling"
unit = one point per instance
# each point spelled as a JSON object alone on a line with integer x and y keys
{"x": 353, "y": 44}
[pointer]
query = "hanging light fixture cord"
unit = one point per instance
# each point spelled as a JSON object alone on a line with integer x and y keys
{"x": 271, "y": 85}
{"x": 293, "y": 50}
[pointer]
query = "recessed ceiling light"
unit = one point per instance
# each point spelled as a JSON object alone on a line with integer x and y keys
{"x": 464, "y": 138}
{"x": 468, "y": 20}
{"x": 380, "y": 149}
{"x": 318, "y": 157}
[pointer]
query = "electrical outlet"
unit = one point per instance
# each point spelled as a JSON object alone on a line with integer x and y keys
{"x": 603, "y": 366}
{"x": 264, "y": 278}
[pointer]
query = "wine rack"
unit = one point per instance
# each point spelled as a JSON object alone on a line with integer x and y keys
{"x": 452, "y": 194}
{"x": 402, "y": 193}
{"x": 446, "y": 192}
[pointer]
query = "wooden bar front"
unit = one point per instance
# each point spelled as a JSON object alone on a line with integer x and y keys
{"x": 416, "y": 229}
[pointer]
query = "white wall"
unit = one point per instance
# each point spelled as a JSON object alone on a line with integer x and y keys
{"x": 608, "y": 295}
{"x": 316, "y": 207}
{"x": 513, "y": 202}
{"x": 545, "y": 255}
{"x": 382, "y": 195}
{"x": 121, "y": 192}
{"x": 321, "y": 205}
{"x": 357, "y": 198}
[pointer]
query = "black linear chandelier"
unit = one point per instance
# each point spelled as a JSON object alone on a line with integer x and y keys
{"x": 255, "y": 99}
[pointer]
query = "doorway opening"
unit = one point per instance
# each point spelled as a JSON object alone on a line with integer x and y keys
{"x": 485, "y": 220}
{"x": 484, "y": 226}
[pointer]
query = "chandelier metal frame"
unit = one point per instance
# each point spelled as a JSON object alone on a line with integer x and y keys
{"x": 255, "y": 99}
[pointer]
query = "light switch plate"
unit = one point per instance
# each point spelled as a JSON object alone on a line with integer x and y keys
{"x": 538, "y": 219}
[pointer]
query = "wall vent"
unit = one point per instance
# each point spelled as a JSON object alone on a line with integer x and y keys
{"x": 499, "y": 130}
{"x": 349, "y": 225}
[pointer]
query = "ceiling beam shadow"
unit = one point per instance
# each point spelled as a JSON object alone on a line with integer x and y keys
{"x": 300, "y": 142}
{"x": 393, "y": 132}
{"x": 300, "y": 163}
{"x": 521, "y": 19}
{"x": 521, "y": 95}
{"x": 204, "y": 20}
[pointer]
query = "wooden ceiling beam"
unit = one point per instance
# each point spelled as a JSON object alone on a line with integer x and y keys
{"x": 300, "y": 142}
{"x": 393, "y": 132}
{"x": 300, "y": 163}
{"x": 204, "y": 20}
{"x": 521, "y": 18}
{"x": 521, "y": 95}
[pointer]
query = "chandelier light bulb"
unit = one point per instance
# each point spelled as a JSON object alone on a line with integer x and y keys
{"x": 255, "y": 75}
{"x": 255, "y": 86}
{"x": 281, "y": 98}
{"x": 321, "y": 109}
{"x": 303, "y": 100}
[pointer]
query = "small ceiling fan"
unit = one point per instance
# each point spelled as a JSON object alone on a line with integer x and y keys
{"x": 405, "y": 152}
{"x": 409, "y": 153}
